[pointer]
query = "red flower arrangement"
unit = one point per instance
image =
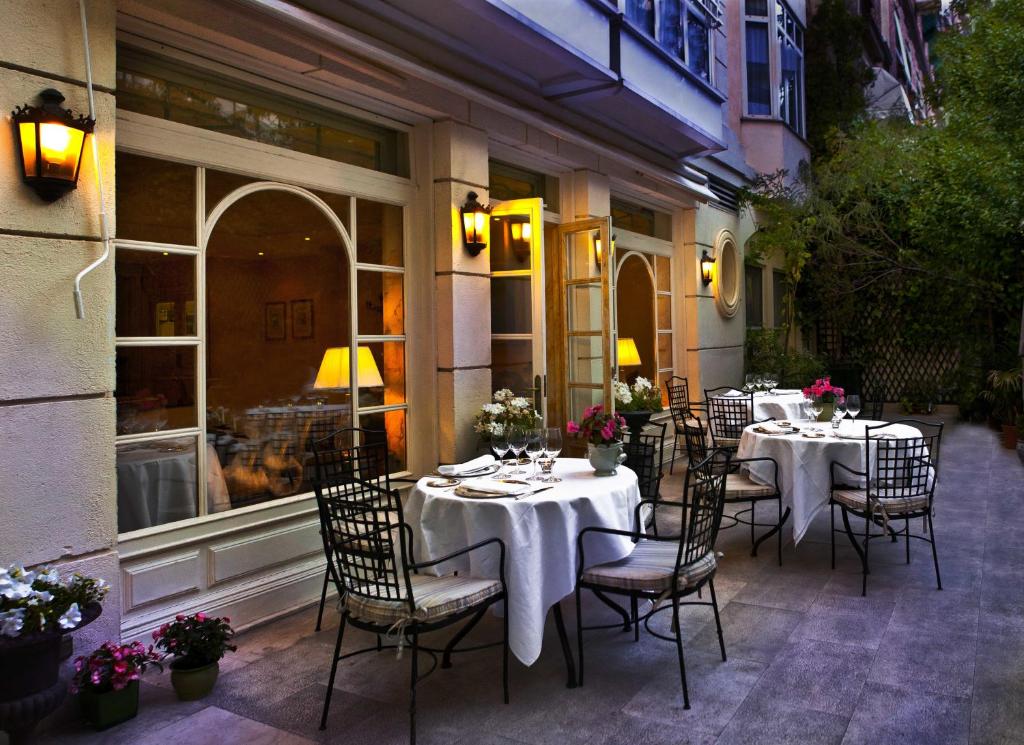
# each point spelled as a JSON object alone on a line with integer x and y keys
{"x": 196, "y": 640}
{"x": 822, "y": 388}
{"x": 113, "y": 666}
{"x": 597, "y": 427}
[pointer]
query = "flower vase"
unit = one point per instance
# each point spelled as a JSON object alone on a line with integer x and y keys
{"x": 827, "y": 409}
{"x": 193, "y": 683}
{"x": 605, "y": 459}
{"x": 104, "y": 710}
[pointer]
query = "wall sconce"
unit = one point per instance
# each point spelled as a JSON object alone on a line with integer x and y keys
{"x": 599, "y": 249}
{"x": 707, "y": 264}
{"x": 50, "y": 141}
{"x": 474, "y": 223}
{"x": 521, "y": 233}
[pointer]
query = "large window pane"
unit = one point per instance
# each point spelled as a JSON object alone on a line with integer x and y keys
{"x": 155, "y": 389}
{"x": 378, "y": 233}
{"x": 381, "y": 373}
{"x": 156, "y": 200}
{"x": 381, "y": 303}
{"x": 156, "y": 293}
{"x": 759, "y": 85}
{"x": 510, "y": 305}
{"x": 510, "y": 242}
{"x": 506, "y": 181}
{"x": 698, "y": 46}
{"x": 156, "y": 483}
{"x": 641, "y": 13}
{"x": 393, "y": 424}
{"x": 512, "y": 365}
{"x": 664, "y": 272}
{"x": 276, "y": 304}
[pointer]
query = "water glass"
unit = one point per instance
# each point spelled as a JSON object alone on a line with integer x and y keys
{"x": 771, "y": 380}
{"x": 552, "y": 448}
{"x": 748, "y": 383}
{"x": 853, "y": 406}
{"x": 499, "y": 444}
{"x": 817, "y": 406}
{"x": 534, "y": 449}
{"x": 517, "y": 442}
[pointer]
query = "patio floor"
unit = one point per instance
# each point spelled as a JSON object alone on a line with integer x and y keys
{"x": 810, "y": 661}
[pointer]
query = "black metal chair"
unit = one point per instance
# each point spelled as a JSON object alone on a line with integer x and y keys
{"x": 643, "y": 455}
{"x": 899, "y": 476}
{"x": 740, "y": 488}
{"x": 682, "y": 410}
{"x": 664, "y": 568}
{"x": 369, "y": 545}
{"x": 728, "y": 415}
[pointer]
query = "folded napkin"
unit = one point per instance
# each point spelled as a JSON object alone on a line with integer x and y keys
{"x": 784, "y": 391}
{"x": 733, "y": 394}
{"x": 462, "y": 469}
{"x": 490, "y": 487}
{"x": 770, "y": 428}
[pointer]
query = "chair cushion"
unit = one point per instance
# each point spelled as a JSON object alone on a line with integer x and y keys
{"x": 741, "y": 486}
{"x": 650, "y": 568}
{"x": 436, "y": 597}
{"x": 726, "y": 442}
{"x": 858, "y": 500}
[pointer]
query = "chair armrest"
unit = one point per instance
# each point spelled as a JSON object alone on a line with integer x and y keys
{"x": 466, "y": 550}
{"x": 832, "y": 473}
{"x": 652, "y": 502}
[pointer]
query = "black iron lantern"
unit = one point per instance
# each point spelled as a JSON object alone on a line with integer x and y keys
{"x": 474, "y": 223}
{"x": 707, "y": 265}
{"x": 50, "y": 142}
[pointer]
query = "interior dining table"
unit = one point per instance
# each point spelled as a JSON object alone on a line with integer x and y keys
{"x": 804, "y": 461}
{"x": 539, "y": 531}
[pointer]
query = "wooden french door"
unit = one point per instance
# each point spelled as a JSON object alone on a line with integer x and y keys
{"x": 581, "y": 296}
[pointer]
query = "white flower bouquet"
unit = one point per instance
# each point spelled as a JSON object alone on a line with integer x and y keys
{"x": 506, "y": 411}
{"x": 641, "y": 396}
{"x": 38, "y": 601}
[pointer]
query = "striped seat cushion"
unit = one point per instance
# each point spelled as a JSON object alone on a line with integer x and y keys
{"x": 436, "y": 597}
{"x": 650, "y": 568}
{"x": 858, "y": 500}
{"x": 741, "y": 486}
{"x": 727, "y": 442}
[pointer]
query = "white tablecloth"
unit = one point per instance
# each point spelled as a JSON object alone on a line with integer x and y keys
{"x": 804, "y": 464}
{"x": 157, "y": 486}
{"x": 780, "y": 406}
{"x": 539, "y": 532}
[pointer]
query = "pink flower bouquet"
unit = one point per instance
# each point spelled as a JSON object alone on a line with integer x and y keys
{"x": 112, "y": 667}
{"x": 597, "y": 426}
{"x": 823, "y": 389}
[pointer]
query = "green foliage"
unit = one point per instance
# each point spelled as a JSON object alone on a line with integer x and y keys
{"x": 915, "y": 234}
{"x": 836, "y": 73}
{"x": 766, "y": 352}
{"x": 1003, "y": 393}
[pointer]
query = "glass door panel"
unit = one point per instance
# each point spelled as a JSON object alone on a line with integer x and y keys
{"x": 517, "y": 299}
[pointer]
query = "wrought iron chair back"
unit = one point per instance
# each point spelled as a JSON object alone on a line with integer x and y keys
{"x": 696, "y": 444}
{"x": 728, "y": 415}
{"x": 901, "y": 467}
{"x": 361, "y": 516}
{"x": 678, "y": 400}
{"x": 705, "y": 501}
{"x": 643, "y": 456}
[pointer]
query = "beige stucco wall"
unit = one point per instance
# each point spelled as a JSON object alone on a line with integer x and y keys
{"x": 57, "y": 482}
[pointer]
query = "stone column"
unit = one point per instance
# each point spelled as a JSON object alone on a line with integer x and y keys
{"x": 58, "y": 491}
{"x": 463, "y": 290}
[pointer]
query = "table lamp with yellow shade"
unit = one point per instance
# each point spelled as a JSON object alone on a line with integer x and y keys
{"x": 334, "y": 369}
{"x": 629, "y": 355}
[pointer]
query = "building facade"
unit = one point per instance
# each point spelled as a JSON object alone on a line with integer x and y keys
{"x": 286, "y": 183}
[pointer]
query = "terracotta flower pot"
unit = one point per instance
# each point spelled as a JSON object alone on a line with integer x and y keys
{"x": 1009, "y": 436}
{"x": 193, "y": 683}
{"x": 104, "y": 710}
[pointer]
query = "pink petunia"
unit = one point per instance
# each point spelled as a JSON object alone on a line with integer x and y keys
{"x": 607, "y": 431}
{"x": 572, "y": 428}
{"x": 201, "y": 617}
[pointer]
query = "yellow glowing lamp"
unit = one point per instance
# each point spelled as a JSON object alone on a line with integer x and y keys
{"x": 521, "y": 231}
{"x": 707, "y": 266}
{"x": 50, "y": 141}
{"x": 599, "y": 249}
{"x": 334, "y": 369}
{"x": 474, "y": 223}
{"x": 629, "y": 355}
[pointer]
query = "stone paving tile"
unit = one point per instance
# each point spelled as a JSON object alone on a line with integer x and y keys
{"x": 886, "y": 714}
{"x": 751, "y": 632}
{"x": 926, "y": 660}
{"x": 781, "y": 725}
{"x": 846, "y": 620}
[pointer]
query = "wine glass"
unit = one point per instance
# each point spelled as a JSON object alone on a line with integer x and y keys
{"x": 534, "y": 449}
{"x": 517, "y": 442}
{"x": 748, "y": 383}
{"x": 758, "y": 382}
{"x": 499, "y": 444}
{"x": 552, "y": 448}
{"x": 839, "y": 411}
{"x": 817, "y": 406}
{"x": 853, "y": 406}
{"x": 771, "y": 380}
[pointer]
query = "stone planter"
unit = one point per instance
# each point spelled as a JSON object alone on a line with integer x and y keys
{"x": 28, "y": 664}
{"x": 194, "y": 683}
{"x": 605, "y": 458}
{"x": 636, "y": 420}
{"x": 104, "y": 710}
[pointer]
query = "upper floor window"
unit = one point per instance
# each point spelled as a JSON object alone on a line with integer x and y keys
{"x": 684, "y": 28}
{"x": 507, "y": 181}
{"x": 639, "y": 219}
{"x": 774, "y": 62}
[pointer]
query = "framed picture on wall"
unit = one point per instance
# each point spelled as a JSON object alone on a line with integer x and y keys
{"x": 274, "y": 327}
{"x": 302, "y": 319}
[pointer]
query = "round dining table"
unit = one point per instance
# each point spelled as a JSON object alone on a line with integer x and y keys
{"x": 804, "y": 462}
{"x": 539, "y": 531}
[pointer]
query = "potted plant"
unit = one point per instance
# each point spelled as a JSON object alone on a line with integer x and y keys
{"x": 107, "y": 682}
{"x": 1004, "y": 390}
{"x": 1020, "y": 437}
{"x": 507, "y": 410}
{"x": 603, "y": 433}
{"x": 636, "y": 402}
{"x": 197, "y": 643}
{"x": 827, "y": 393}
{"x": 36, "y": 609}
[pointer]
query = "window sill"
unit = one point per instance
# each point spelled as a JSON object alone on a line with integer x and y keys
{"x": 774, "y": 120}
{"x": 673, "y": 61}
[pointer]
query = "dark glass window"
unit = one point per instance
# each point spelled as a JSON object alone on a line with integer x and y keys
{"x": 754, "y": 297}
{"x": 759, "y": 85}
{"x": 639, "y": 219}
{"x": 641, "y": 13}
{"x": 779, "y": 286}
{"x": 698, "y": 45}
{"x": 512, "y": 182}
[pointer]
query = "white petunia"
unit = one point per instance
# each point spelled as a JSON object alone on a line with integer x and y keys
{"x": 642, "y": 384}
{"x": 11, "y": 622}
{"x": 519, "y": 403}
{"x": 497, "y": 429}
{"x": 503, "y": 394}
{"x": 622, "y": 392}
{"x": 71, "y": 618}
{"x": 43, "y": 596}
{"x": 493, "y": 409}
{"x": 51, "y": 577}
{"x": 14, "y": 589}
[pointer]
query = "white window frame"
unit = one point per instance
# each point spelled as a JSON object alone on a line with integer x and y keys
{"x": 710, "y": 10}
{"x": 161, "y": 139}
{"x": 775, "y": 65}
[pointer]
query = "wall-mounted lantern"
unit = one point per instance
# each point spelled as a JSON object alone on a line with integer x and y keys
{"x": 50, "y": 141}
{"x": 599, "y": 249}
{"x": 707, "y": 265}
{"x": 474, "y": 223}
